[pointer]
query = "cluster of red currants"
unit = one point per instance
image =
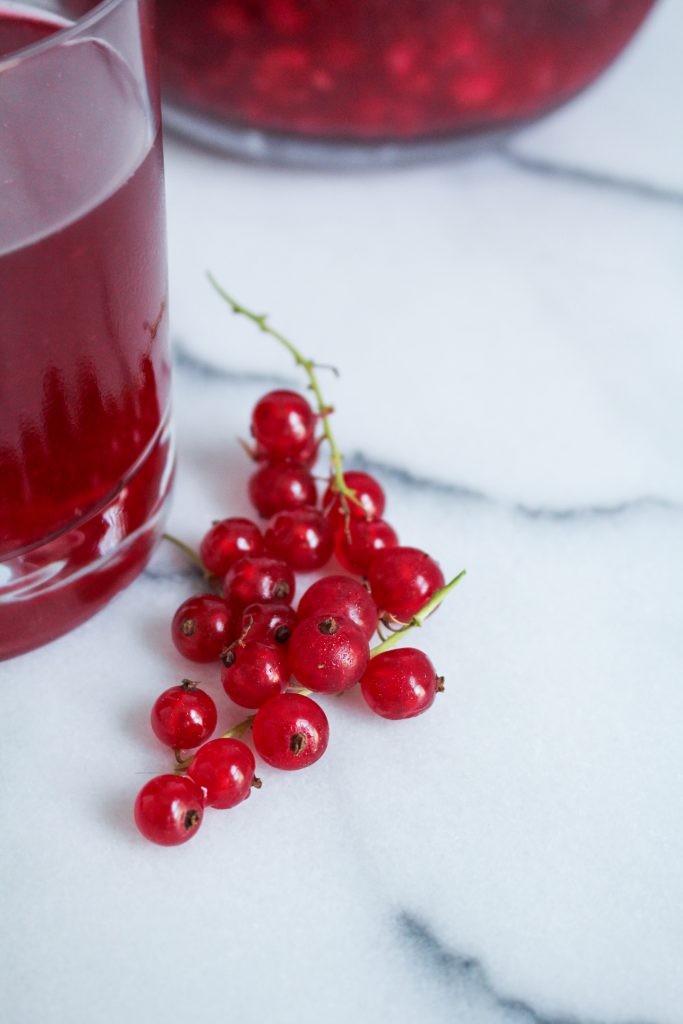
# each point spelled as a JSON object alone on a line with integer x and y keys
{"x": 272, "y": 656}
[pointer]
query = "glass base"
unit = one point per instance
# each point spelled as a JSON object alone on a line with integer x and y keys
{"x": 323, "y": 154}
{"x": 50, "y": 589}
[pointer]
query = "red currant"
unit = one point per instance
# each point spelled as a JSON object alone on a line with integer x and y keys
{"x": 228, "y": 540}
{"x": 328, "y": 655}
{"x": 283, "y": 424}
{"x": 253, "y": 673}
{"x": 307, "y": 457}
{"x": 224, "y": 769}
{"x": 402, "y": 581}
{"x": 258, "y": 580}
{"x": 341, "y": 595}
{"x": 291, "y": 731}
{"x": 302, "y": 538}
{"x": 368, "y": 492}
{"x": 401, "y": 683}
{"x": 278, "y": 486}
{"x": 356, "y": 545}
{"x": 184, "y": 716}
{"x": 169, "y": 810}
{"x": 202, "y": 627}
{"x": 271, "y": 623}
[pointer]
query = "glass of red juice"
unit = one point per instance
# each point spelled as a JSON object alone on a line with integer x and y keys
{"x": 364, "y": 81}
{"x": 86, "y": 457}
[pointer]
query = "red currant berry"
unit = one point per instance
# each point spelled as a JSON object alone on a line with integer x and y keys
{"x": 368, "y": 492}
{"x": 402, "y": 581}
{"x": 224, "y": 769}
{"x": 278, "y": 486}
{"x": 202, "y": 627}
{"x": 169, "y": 809}
{"x": 328, "y": 655}
{"x": 356, "y": 545}
{"x": 271, "y": 623}
{"x": 228, "y": 540}
{"x": 400, "y": 683}
{"x": 253, "y": 673}
{"x": 302, "y": 538}
{"x": 259, "y": 580}
{"x": 283, "y": 424}
{"x": 308, "y": 456}
{"x": 291, "y": 731}
{"x": 341, "y": 595}
{"x": 184, "y": 716}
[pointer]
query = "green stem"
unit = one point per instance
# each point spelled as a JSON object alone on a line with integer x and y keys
{"x": 186, "y": 549}
{"x": 436, "y": 599}
{"x": 324, "y": 410}
{"x": 239, "y": 730}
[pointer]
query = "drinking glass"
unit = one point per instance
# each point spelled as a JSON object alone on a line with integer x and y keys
{"x": 85, "y": 447}
{"x": 362, "y": 81}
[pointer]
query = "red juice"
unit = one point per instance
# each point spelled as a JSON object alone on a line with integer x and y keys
{"x": 85, "y": 460}
{"x": 385, "y": 70}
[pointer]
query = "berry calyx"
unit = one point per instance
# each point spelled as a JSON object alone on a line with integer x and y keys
{"x": 328, "y": 655}
{"x": 283, "y": 424}
{"x": 169, "y": 810}
{"x": 291, "y": 732}
{"x": 224, "y": 770}
{"x": 402, "y": 580}
{"x": 183, "y": 716}
{"x": 400, "y": 683}
{"x": 341, "y": 595}
{"x": 259, "y": 580}
{"x": 302, "y": 538}
{"x": 202, "y": 627}
{"x": 227, "y": 541}
{"x": 357, "y": 543}
{"x": 253, "y": 673}
{"x": 369, "y": 503}
{"x": 279, "y": 486}
{"x": 271, "y": 623}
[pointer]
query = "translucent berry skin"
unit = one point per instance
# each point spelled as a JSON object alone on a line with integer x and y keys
{"x": 169, "y": 809}
{"x": 400, "y": 683}
{"x": 183, "y": 716}
{"x": 302, "y": 538}
{"x": 279, "y": 486}
{"x": 291, "y": 731}
{"x": 368, "y": 492}
{"x": 341, "y": 595}
{"x": 283, "y": 424}
{"x": 224, "y": 770}
{"x": 366, "y": 539}
{"x": 257, "y": 581}
{"x": 202, "y": 627}
{"x": 270, "y": 623}
{"x": 402, "y": 580}
{"x": 328, "y": 655}
{"x": 227, "y": 541}
{"x": 253, "y": 673}
{"x": 308, "y": 456}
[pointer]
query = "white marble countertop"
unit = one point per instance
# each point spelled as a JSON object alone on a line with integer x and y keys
{"x": 509, "y": 331}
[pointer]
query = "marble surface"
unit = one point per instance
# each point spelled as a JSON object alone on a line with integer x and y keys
{"x": 508, "y": 327}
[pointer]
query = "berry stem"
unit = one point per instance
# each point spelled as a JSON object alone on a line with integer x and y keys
{"x": 346, "y": 493}
{"x": 239, "y": 730}
{"x": 417, "y": 620}
{"x": 186, "y": 549}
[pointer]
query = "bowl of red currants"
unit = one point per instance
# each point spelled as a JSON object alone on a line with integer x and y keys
{"x": 370, "y": 80}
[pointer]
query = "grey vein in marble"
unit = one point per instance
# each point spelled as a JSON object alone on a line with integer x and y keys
{"x": 596, "y": 179}
{"x": 404, "y": 477}
{"x": 188, "y": 362}
{"x": 467, "y": 972}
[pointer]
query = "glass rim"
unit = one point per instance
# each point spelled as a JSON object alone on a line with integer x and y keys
{"x": 97, "y": 12}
